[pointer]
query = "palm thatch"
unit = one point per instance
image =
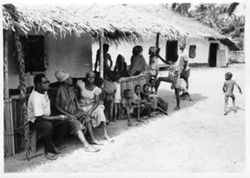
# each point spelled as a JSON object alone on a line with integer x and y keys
{"x": 118, "y": 22}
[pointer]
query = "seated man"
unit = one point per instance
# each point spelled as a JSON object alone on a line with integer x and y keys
{"x": 40, "y": 119}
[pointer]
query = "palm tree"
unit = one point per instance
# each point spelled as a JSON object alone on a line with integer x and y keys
{"x": 220, "y": 17}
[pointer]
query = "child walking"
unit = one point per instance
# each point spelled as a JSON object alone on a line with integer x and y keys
{"x": 228, "y": 88}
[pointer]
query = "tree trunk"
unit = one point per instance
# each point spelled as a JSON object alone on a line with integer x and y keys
{"x": 22, "y": 87}
{"x": 5, "y": 65}
{"x": 101, "y": 55}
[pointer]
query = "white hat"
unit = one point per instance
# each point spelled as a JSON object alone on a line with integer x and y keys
{"x": 61, "y": 75}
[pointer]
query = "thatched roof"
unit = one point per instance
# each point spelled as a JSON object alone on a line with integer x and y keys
{"x": 119, "y": 22}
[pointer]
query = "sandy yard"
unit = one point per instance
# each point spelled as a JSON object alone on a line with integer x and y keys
{"x": 198, "y": 138}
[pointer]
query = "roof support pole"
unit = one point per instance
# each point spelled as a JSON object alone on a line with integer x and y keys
{"x": 22, "y": 87}
{"x": 5, "y": 66}
{"x": 157, "y": 40}
{"x": 101, "y": 54}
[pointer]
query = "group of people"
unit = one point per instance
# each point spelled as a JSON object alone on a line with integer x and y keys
{"x": 74, "y": 115}
{"x": 78, "y": 115}
{"x": 142, "y": 102}
{"x": 137, "y": 63}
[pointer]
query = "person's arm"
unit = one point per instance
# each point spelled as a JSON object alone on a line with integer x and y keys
{"x": 59, "y": 108}
{"x": 164, "y": 60}
{"x": 95, "y": 105}
{"x": 238, "y": 87}
{"x": 224, "y": 87}
{"x": 97, "y": 60}
{"x": 115, "y": 69}
{"x": 110, "y": 60}
{"x": 57, "y": 117}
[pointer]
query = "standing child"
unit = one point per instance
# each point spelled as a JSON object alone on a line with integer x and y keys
{"x": 228, "y": 88}
{"x": 118, "y": 98}
{"x": 109, "y": 99}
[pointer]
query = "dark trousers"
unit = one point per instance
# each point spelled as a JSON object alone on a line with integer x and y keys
{"x": 49, "y": 129}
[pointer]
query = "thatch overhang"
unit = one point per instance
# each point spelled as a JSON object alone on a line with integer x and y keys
{"x": 118, "y": 22}
{"x": 191, "y": 27}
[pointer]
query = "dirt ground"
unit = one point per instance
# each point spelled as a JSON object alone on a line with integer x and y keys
{"x": 196, "y": 139}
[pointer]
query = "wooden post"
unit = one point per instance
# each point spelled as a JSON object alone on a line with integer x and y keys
{"x": 101, "y": 54}
{"x": 157, "y": 40}
{"x": 5, "y": 67}
{"x": 22, "y": 87}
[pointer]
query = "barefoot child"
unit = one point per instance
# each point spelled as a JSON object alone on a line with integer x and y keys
{"x": 144, "y": 107}
{"x": 153, "y": 101}
{"x": 228, "y": 88}
{"x": 130, "y": 106}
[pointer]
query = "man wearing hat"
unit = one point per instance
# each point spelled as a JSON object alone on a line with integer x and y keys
{"x": 66, "y": 103}
{"x": 40, "y": 119}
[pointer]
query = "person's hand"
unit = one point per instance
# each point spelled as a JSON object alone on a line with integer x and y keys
{"x": 73, "y": 117}
{"x": 89, "y": 113}
{"x": 62, "y": 117}
{"x": 79, "y": 83}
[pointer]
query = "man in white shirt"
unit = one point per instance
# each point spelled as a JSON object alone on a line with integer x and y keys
{"x": 40, "y": 119}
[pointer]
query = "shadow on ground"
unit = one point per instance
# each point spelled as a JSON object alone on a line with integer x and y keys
{"x": 169, "y": 96}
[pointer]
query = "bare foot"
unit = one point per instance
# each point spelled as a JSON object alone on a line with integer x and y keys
{"x": 91, "y": 149}
{"x": 139, "y": 120}
{"x": 110, "y": 140}
{"x": 50, "y": 156}
{"x": 177, "y": 108}
{"x": 95, "y": 142}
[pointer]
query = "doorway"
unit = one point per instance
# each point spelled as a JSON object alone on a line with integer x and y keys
{"x": 212, "y": 58}
{"x": 172, "y": 50}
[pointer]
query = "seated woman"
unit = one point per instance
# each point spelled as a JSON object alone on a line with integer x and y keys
{"x": 138, "y": 62}
{"x": 89, "y": 102}
{"x": 66, "y": 103}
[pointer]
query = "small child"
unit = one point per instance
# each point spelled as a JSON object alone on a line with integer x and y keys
{"x": 155, "y": 102}
{"x": 152, "y": 82}
{"x": 228, "y": 88}
{"x": 118, "y": 99}
{"x": 130, "y": 106}
{"x": 145, "y": 109}
{"x": 109, "y": 99}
